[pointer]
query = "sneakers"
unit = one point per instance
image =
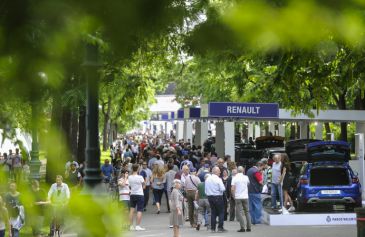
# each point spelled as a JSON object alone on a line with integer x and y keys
{"x": 248, "y": 230}
{"x": 198, "y": 227}
{"x": 131, "y": 228}
{"x": 291, "y": 209}
{"x": 138, "y": 228}
{"x": 171, "y": 226}
{"x": 222, "y": 230}
{"x": 285, "y": 211}
{"x": 241, "y": 230}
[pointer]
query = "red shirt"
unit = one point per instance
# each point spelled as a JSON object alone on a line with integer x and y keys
{"x": 258, "y": 177}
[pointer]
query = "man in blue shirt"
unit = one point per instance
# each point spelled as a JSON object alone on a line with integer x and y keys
{"x": 254, "y": 192}
{"x": 107, "y": 171}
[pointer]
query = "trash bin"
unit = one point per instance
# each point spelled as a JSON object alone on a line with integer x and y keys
{"x": 360, "y": 221}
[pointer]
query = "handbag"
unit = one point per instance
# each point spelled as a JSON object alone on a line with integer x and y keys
{"x": 196, "y": 205}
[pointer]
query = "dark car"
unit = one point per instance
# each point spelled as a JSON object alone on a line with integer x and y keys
{"x": 270, "y": 152}
{"x": 247, "y": 154}
{"x": 326, "y": 177}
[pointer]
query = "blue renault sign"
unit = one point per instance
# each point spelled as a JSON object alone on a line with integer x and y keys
{"x": 180, "y": 114}
{"x": 243, "y": 110}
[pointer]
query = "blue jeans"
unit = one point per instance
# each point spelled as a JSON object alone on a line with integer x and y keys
{"x": 217, "y": 209}
{"x": 14, "y": 232}
{"x": 275, "y": 194}
{"x": 255, "y": 204}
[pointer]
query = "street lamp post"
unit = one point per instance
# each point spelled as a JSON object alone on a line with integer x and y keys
{"x": 92, "y": 151}
{"x": 34, "y": 164}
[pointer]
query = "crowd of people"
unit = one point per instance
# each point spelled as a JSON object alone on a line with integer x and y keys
{"x": 13, "y": 204}
{"x": 199, "y": 187}
{"x": 13, "y": 166}
{"x": 23, "y": 199}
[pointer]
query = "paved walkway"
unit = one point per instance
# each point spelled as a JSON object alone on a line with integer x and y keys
{"x": 158, "y": 225}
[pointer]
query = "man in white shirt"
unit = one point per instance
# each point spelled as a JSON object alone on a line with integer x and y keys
{"x": 214, "y": 189}
{"x": 275, "y": 182}
{"x": 58, "y": 197}
{"x": 240, "y": 193}
{"x": 59, "y": 193}
{"x": 136, "y": 182}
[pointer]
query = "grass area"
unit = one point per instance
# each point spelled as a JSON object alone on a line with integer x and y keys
{"x": 26, "y": 231}
{"x": 104, "y": 155}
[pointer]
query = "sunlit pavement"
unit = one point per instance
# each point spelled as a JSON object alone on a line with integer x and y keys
{"x": 157, "y": 225}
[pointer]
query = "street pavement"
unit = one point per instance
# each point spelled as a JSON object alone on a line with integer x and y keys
{"x": 157, "y": 225}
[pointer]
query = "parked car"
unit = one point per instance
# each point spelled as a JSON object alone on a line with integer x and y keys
{"x": 270, "y": 152}
{"x": 326, "y": 177}
{"x": 247, "y": 154}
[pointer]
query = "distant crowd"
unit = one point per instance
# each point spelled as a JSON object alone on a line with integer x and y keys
{"x": 202, "y": 188}
{"x": 199, "y": 187}
{"x": 13, "y": 166}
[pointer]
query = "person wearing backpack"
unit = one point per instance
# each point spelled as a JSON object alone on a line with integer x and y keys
{"x": 17, "y": 165}
{"x": 16, "y": 210}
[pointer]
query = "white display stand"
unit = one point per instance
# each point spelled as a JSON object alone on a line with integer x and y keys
{"x": 309, "y": 219}
{"x": 359, "y": 144}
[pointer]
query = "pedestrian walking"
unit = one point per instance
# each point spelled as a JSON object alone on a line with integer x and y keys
{"x": 191, "y": 186}
{"x": 225, "y": 179}
{"x": 39, "y": 200}
{"x": 73, "y": 176}
{"x": 124, "y": 190}
{"x": 176, "y": 204}
{"x": 17, "y": 165}
{"x": 136, "y": 183}
{"x": 58, "y": 197}
{"x": 214, "y": 189}
{"x": 170, "y": 176}
{"x": 254, "y": 192}
{"x": 240, "y": 193}
{"x": 4, "y": 219}
{"x": 185, "y": 172}
{"x": 231, "y": 200}
{"x": 158, "y": 179}
{"x": 16, "y": 209}
{"x": 204, "y": 206}
{"x": 286, "y": 183}
{"x": 146, "y": 173}
{"x": 275, "y": 181}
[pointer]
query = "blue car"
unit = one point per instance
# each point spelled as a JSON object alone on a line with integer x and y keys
{"x": 326, "y": 177}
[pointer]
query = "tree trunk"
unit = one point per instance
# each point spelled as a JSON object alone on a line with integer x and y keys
{"x": 74, "y": 132}
{"x": 106, "y": 127}
{"x": 53, "y": 153}
{"x": 297, "y": 132}
{"x": 66, "y": 128}
{"x": 327, "y": 127}
{"x": 110, "y": 133}
{"x": 359, "y": 102}
{"x": 115, "y": 132}
{"x": 81, "y": 145}
{"x": 341, "y": 103}
{"x": 292, "y": 132}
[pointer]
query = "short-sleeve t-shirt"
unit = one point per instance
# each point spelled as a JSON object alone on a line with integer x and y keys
{"x": 240, "y": 181}
{"x": 136, "y": 184}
